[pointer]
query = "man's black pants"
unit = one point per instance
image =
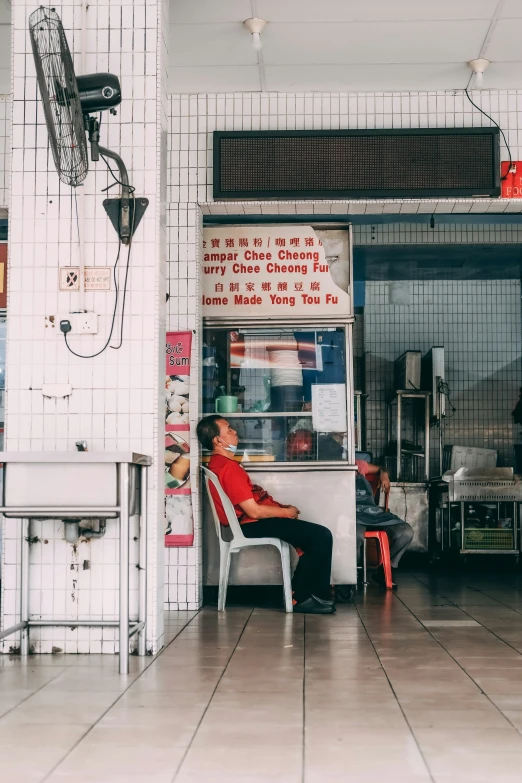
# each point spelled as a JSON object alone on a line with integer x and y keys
{"x": 312, "y": 575}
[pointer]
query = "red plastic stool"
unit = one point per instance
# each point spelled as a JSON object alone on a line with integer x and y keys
{"x": 384, "y": 555}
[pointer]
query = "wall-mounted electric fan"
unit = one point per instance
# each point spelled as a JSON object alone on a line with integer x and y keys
{"x": 69, "y": 103}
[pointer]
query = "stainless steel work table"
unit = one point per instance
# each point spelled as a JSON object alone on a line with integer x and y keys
{"x": 80, "y": 485}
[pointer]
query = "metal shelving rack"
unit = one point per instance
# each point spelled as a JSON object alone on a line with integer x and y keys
{"x": 396, "y": 404}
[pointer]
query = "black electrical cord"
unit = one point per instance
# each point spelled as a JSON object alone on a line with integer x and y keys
{"x": 116, "y": 284}
{"x": 117, "y": 181}
{"x": 498, "y": 126}
{"x": 109, "y": 338}
{"x": 117, "y": 347}
{"x": 445, "y": 390}
{"x": 131, "y": 190}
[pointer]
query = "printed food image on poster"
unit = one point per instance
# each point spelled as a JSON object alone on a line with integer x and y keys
{"x": 179, "y": 525}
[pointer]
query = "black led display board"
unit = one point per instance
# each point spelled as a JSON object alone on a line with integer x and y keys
{"x": 357, "y": 164}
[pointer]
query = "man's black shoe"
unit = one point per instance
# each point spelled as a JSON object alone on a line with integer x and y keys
{"x": 313, "y": 606}
{"x": 325, "y": 601}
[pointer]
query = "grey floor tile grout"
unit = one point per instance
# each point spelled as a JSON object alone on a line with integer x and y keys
{"x": 86, "y": 733}
{"x": 474, "y": 618}
{"x": 428, "y": 770}
{"x": 345, "y": 684}
{"x": 460, "y": 665}
{"x": 15, "y": 707}
{"x": 184, "y": 756}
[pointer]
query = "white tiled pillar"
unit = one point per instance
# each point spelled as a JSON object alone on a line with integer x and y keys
{"x": 117, "y": 397}
{"x": 184, "y": 565}
{"x": 5, "y": 148}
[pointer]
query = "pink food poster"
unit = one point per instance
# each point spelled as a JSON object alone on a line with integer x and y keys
{"x": 179, "y": 523}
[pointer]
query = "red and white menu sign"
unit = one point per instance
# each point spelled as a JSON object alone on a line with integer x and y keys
{"x": 272, "y": 270}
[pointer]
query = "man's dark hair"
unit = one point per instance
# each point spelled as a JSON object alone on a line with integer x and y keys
{"x": 207, "y": 430}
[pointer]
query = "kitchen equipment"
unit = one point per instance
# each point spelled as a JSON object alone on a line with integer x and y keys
{"x": 455, "y": 457}
{"x": 483, "y": 484}
{"x": 409, "y": 412}
{"x": 475, "y": 511}
{"x": 408, "y": 370}
{"x": 263, "y": 437}
{"x": 432, "y": 378}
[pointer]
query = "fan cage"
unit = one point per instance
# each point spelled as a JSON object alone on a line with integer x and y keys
{"x": 60, "y": 97}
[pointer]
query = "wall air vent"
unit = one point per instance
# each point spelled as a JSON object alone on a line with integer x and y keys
{"x": 357, "y": 164}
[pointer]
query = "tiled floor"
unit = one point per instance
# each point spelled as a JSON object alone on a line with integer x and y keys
{"x": 424, "y": 685}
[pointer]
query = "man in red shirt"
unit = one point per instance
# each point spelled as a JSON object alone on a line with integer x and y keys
{"x": 263, "y": 517}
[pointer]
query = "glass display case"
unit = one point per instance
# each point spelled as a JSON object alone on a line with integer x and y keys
{"x": 284, "y": 389}
{"x": 277, "y": 362}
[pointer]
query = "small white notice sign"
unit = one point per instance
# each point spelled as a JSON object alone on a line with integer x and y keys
{"x": 329, "y": 407}
{"x": 69, "y": 279}
{"x": 97, "y": 278}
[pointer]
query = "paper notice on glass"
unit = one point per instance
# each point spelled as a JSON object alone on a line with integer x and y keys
{"x": 329, "y": 407}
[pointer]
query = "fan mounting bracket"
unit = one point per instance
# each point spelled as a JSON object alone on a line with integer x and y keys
{"x": 125, "y": 215}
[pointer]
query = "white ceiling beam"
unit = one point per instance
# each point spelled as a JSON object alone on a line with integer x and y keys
{"x": 491, "y": 29}
{"x": 260, "y": 58}
{"x": 487, "y": 38}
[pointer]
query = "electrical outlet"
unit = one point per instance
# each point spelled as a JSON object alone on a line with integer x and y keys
{"x": 53, "y": 321}
{"x": 85, "y": 323}
{"x": 81, "y": 323}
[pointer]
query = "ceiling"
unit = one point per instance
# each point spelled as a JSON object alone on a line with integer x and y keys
{"x": 343, "y": 45}
{"x": 333, "y": 45}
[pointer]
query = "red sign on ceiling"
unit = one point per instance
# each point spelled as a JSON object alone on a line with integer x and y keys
{"x": 512, "y": 184}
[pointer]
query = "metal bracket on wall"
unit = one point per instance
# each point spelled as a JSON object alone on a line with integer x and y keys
{"x": 114, "y": 208}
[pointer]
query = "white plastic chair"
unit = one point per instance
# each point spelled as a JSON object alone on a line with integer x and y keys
{"x": 239, "y": 541}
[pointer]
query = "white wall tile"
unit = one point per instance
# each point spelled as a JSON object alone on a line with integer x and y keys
{"x": 107, "y": 406}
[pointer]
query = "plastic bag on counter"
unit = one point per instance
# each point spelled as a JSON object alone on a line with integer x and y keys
{"x": 262, "y": 406}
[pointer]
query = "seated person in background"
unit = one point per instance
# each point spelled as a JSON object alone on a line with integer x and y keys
{"x": 263, "y": 517}
{"x": 369, "y": 516}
